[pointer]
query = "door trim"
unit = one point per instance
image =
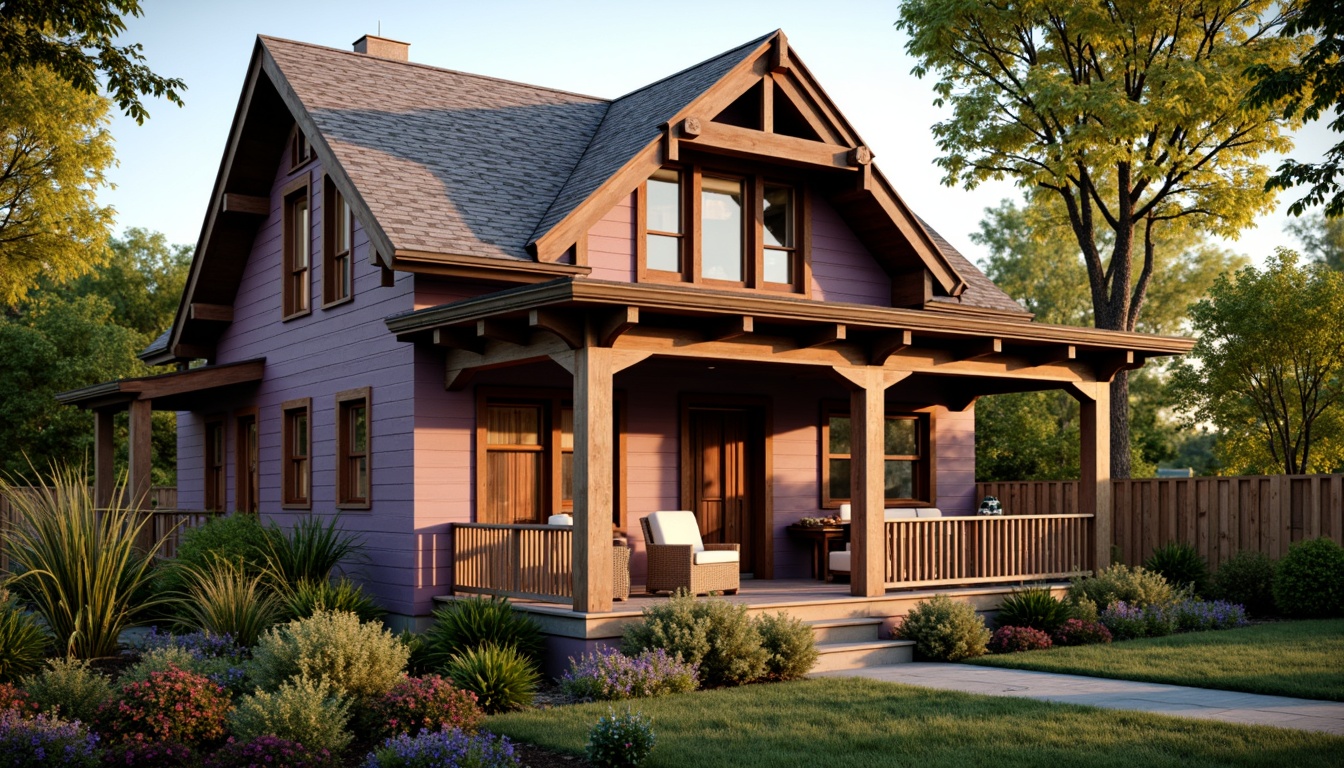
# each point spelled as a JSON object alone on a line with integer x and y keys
{"x": 761, "y": 412}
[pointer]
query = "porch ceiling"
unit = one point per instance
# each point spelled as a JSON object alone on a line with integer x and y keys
{"x": 168, "y": 391}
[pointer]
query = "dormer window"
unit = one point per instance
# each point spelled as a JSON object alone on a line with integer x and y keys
{"x": 721, "y": 231}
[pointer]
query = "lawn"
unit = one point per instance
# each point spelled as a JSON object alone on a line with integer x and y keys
{"x": 1291, "y": 658}
{"x": 856, "y": 722}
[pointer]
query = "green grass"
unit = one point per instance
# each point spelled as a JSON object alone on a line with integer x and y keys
{"x": 840, "y": 722}
{"x": 1292, "y": 658}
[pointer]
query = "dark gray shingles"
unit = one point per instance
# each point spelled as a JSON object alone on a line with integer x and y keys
{"x": 980, "y": 290}
{"x": 160, "y": 344}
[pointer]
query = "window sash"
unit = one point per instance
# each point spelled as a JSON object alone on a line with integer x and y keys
{"x": 297, "y": 448}
{"x": 354, "y": 448}
{"x": 837, "y": 459}
{"x": 297, "y": 251}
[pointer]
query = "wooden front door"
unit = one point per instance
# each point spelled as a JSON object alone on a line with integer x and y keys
{"x": 725, "y": 453}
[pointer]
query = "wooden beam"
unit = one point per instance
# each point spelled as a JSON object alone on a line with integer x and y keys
{"x": 811, "y": 114}
{"x": 768, "y": 104}
{"x": 731, "y": 328}
{"x": 219, "y": 313}
{"x": 252, "y": 205}
{"x": 912, "y": 289}
{"x": 779, "y": 54}
{"x": 860, "y": 156}
{"x": 104, "y": 458}
{"x": 1111, "y": 364}
{"x": 193, "y": 351}
{"x": 828, "y": 334}
{"x": 732, "y": 140}
{"x": 593, "y": 463}
{"x": 458, "y": 338}
{"x": 458, "y": 379}
{"x": 568, "y": 328}
{"x": 980, "y": 348}
{"x": 888, "y": 344}
{"x": 1064, "y": 353}
{"x": 1094, "y": 487}
{"x": 690, "y": 128}
{"x": 867, "y": 574}
{"x": 499, "y": 330}
{"x": 616, "y": 324}
{"x": 141, "y": 453}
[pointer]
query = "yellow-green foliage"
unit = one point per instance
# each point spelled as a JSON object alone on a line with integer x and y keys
{"x": 223, "y": 598}
{"x": 1136, "y": 586}
{"x": 791, "y": 644}
{"x": 944, "y": 630}
{"x": 357, "y": 659}
{"x": 718, "y": 636}
{"x": 70, "y": 689}
{"x": 303, "y": 710}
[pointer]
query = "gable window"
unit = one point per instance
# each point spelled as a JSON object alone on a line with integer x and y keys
{"x": 337, "y": 246}
{"x": 907, "y": 460}
{"x": 215, "y": 499}
{"x": 352, "y": 447}
{"x": 300, "y": 151}
{"x": 297, "y": 454}
{"x": 298, "y": 247}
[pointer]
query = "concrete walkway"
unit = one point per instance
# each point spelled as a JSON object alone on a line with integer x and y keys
{"x": 1227, "y": 706}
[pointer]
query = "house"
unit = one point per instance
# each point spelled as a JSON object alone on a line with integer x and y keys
{"x": 432, "y": 302}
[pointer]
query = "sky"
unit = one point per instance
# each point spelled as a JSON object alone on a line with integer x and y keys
{"x": 168, "y": 165}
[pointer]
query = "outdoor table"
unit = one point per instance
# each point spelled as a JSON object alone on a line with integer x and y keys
{"x": 821, "y": 538}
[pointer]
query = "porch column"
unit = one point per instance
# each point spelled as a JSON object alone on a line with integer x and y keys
{"x": 140, "y": 451}
{"x": 1094, "y": 491}
{"x": 593, "y": 372}
{"x": 104, "y": 459}
{"x": 866, "y": 432}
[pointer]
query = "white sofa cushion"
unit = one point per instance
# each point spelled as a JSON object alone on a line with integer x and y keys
{"x": 561, "y": 519}
{"x": 903, "y": 513}
{"x": 928, "y": 512}
{"x": 839, "y": 561}
{"x": 676, "y": 528}
{"x": 705, "y": 556}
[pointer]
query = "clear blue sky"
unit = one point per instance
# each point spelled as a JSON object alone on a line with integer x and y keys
{"x": 168, "y": 165}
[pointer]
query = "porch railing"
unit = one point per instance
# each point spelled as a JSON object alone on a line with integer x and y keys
{"x": 987, "y": 550}
{"x": 528, "y": 561}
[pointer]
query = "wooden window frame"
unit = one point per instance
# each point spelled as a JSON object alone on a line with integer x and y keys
{"x": 290, "y": 499}
{"x": 215, "y": 486}
{"x": 242, "y": 473}
{"x": 925, "y": 476}
{"x": 336, "y": 264}
{"x": 300, "y": 149}
{"x": 293, "y": 279}
{"x": 345, "y": 402}
{"x": 552, "y": 401}
{"x": 753, "y": 183}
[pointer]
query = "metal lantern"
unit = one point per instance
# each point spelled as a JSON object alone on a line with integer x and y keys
{"x": 991, "y": 506}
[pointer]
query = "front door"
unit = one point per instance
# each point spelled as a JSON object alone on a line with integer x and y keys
{"x": 725, "y": 453}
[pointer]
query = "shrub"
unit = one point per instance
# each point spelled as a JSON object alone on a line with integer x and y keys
{"x": 1120, "y": 583}
{"x": 42, "y": 741}
{"x": 81, "y": 569}
{"x": 264, "y": 751}
{"x": 476, "y": 621}
{"x": 790, "y": 646}
{"x": 1159, "y": 620}
{"x": 445, "y": 747}
{"x": 1081, "y": 632}
{"x": 70, "y": 689}
{"x": 1248, "y": 580}
{"x": 1182, "y": 566}
{"x": 1127, "y": 622}
{"x": 221, "y": 661}
{"x": 421, "y": 660}
{"x": 221, "y": 598}
{"x": 359, "y": 660}
{"x": 715, "y": 635}
{"x": 501, "y": 677}
{"x": 944, "y": 630}
{"x": 12, "y": 698}
{"x": 141, "y": 752}
{"x": 309, "y": 597}
{"x": 418, "y": 703}
{"x": 1199, "y": 615}
{"x": 23, "y": 643}
{"x": 608, "y": 674}
{"x": 171, "y": 706}
{"x": 1009, "y": 639}
{"x": 620, "y": 741}
{"x": 239, "y": 538}
{"x": 1035, "y": 608}
{"x": 309, "y": 712}
{"x": 309, "y": 551}
{"x": 1309, "y": 581}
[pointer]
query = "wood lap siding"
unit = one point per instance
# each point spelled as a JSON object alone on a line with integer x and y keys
{"x": 611, "y": 244}
{"x": 842, "y": 269}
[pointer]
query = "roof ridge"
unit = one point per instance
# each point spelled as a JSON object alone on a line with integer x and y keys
{"x": 699, "y": 64}
{"x": 433, "y": 68}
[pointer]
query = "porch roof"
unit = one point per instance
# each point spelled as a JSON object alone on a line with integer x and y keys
{"x": 168, "y": 390}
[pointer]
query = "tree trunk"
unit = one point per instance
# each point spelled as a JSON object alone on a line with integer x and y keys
{"x": 1120, "y": 464}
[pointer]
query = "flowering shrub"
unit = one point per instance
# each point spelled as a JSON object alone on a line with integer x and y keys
{"x": 362, "y": 660}
{"x": 1199, "y": 615}
{"x": 1013, "y": 639}
{"x": 944, "y": 630}
{"x": 141, "y": 752}
{"x": 1079, "y": 632}
{"x": 448, "y": 746}
{"x": 68, "y": 688}
{"x": 1119, "y": 583}
{"x": 609, "y": 674}
{"x": 173, "y": 706}
{"x": 201, "y": 645}
{"x": 1159, "y": 620}
{"x": 302, "y": 710}
{"x": 267, "y": 751}
{"x": 716, "y": 635}
{"x": 13, "y": 698}
{"x": 43, "y": 741}
{"x": 419, "y": 703}
{"x": 218, "y": 657}
{"x": 620, "y": 741}
{"x": 1124, "y": 621}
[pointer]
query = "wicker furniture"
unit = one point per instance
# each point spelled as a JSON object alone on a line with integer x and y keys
{"x": 679, "y": 558}
{"x": 620, "y": 571}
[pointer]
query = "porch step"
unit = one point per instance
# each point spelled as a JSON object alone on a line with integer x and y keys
{"x": 851, "y": 630}
{"x": 835, "y": 657}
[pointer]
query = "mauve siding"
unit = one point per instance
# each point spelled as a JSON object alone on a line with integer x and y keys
{"x": 317, "y": 356}
{"x": 611, "y": 244}
{"x": 842, "y": 269}
{"x": 954, "y": 438}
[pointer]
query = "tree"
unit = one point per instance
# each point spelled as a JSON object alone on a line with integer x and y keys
{"x": 1322, "y": 239}
{"x": 75, "y": 40}
{"x": 143, "y": 281}
{"x": 1268, "y": 369}
{"x": 1130, "y": 114}
{"x": 1313, "y": 84}
{"x": 54, "y": 149}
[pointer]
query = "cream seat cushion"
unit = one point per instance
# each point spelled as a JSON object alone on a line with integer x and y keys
{"x": 705, "y": 557}
{"x": 839, "y": 561}
{"x": 676, "y": 528}
{"x": 928, "y": 512}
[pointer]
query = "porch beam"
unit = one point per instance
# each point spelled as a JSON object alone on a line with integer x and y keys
{"x": 1065, "y": 353}
{"x": 888, "y": 344}
{"x": 616, "y": 324}
{"x": 593, "y": 451}
{"x": 458, "y": 338}
{"x": 980, "y": 348}
{"x": 829, "y": 334}
{"x": 1115, "y": 362}
{"x": 141, "y": 448}
{"x": 731, "y": 328}
{"x": 1094, "y": 487}
{"x": 567, "y": 328}
{"x": 104, "y": 458}
{"x": 498, "y": 330}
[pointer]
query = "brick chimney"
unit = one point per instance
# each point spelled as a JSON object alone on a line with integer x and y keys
{"x": 383, "y": 48}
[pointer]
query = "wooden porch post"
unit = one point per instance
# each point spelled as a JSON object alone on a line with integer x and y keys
{"x": 140, "y": 452}
{"x": 104, "y": 458}
{"x": 1094, "y": 491}
{"x": 592, "y": 479}
{"x": 866, "y": 432}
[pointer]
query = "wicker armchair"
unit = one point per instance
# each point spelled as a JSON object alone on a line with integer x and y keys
{"x": 679, "y": 559}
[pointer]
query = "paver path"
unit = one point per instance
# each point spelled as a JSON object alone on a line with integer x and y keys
{"x": 1228, "y": 706}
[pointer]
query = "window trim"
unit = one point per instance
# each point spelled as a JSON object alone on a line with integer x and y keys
{"x": 289, "y": 496}
{"x": 300, "y": 149}
{"x": 290, "y": 195}
{"x": 242, "y": 471}
{"x": 330, "y": 225}
{"x": 344, "y": 402}
{"x": 216, "y": 478}
{"x": 926, "y": 471}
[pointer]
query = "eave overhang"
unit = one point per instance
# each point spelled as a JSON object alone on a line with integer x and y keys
{"x": 167, "y": 390}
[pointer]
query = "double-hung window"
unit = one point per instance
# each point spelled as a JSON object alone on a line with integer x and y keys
{"x": 352, "y": 445}
{"x": 337, "y": 246}
{"x": 906, "y": 461}
{"x": 298, "y": 250}
{"x": 296, "y": 472}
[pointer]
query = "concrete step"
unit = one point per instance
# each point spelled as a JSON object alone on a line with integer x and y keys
{"x": 851, "y": 630}
{"x": 835, "y": 657}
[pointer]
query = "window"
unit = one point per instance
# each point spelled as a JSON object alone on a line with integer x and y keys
{"x": 215, "y": 499}
{"x": 337, "y": 246}
{"x": 298, "y": 246}
{"x": 352, "y": 446}
{"x": 698, "y": 226}
{"x": 297, "y": 454}
{"x": 907, "y": 458}
{"x": 300, "y": 151}
{"x": 247, "y": 472}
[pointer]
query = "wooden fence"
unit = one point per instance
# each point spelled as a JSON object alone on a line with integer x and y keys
{"x": 986, "y": 550}
{"x": 1218, "y": 516}
{"x": 527, "y": 561}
